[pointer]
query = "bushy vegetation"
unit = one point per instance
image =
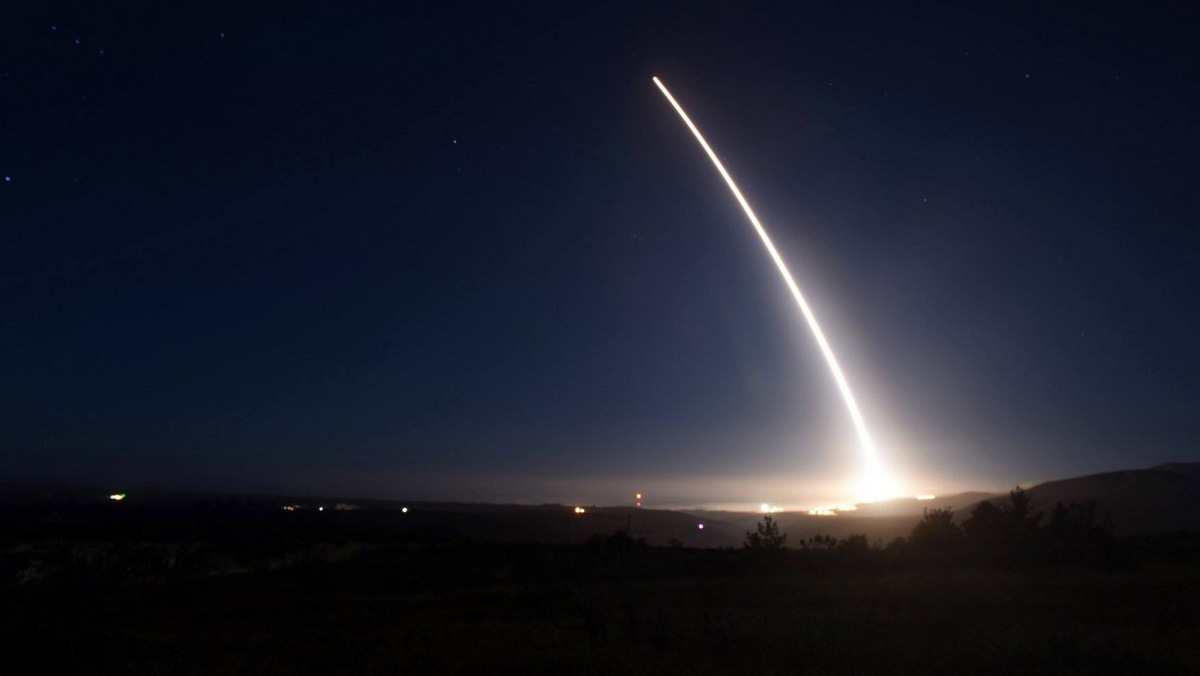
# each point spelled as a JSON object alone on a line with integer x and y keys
{"x": 1010, "y": 535}
{"x": 1002, "y": 590}
{"x": 614, "y": 606}
{"x": 1014, "y": 535}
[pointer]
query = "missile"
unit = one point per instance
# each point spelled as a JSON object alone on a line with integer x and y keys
{"x": 876, "y": 484}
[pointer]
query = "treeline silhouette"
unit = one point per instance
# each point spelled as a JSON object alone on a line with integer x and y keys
{"x": 1011, "y": 535}
{"x": 1014, "y": 535}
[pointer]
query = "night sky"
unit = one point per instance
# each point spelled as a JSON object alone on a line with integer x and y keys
{"x": 467, "y": 251}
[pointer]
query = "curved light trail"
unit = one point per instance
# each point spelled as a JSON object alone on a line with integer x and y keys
{"x": 876, "y": 484}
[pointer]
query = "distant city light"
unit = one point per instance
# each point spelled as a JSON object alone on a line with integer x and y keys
{"x": 823, "y": 511}
{"x": 926, "y": 496}
{"x": 580, "y": 510}
{"x": 117, "y": 496}
{"x": 768, "y": 509}
{"x": 290, "y": 508}
{"x": 404, "y": 510}
{"x": 700, "y": 526}
{"x": 320, "y": 509}
{"x": 638, "y": 496}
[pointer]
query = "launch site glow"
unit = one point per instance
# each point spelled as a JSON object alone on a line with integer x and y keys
{"x": 876, "y": 484}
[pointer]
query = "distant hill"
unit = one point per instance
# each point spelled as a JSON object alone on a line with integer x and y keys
{"x": 1160, "y": 499}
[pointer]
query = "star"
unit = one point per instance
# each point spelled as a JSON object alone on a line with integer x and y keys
{"x": 8, "y": 179}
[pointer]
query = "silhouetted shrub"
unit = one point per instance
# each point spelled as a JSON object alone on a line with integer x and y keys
{"x": 819, "y": 542}
{"x": 854, "y": 544}
{"x": 617, "y": 543}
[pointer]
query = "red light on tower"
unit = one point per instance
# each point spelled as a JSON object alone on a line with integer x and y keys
{"x": 639, "y": 499}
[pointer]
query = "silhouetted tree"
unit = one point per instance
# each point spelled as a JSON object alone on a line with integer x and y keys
{"x": 936, "y": 532}
{"x": 1023, "y": 526}
{"x": 1007, "y": 534}
{"x": 987, "y": 532}
{"x": 1023, "y": 519}
{"x": 1073, "y": 536}
{"x": 766, "y": 537}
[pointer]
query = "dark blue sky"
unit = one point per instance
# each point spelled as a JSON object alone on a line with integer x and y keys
{"x": 469, "y": 251}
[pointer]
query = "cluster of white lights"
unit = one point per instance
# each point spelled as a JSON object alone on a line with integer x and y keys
{"x": 580, "y": 510}
{"x": 768, "y": 509}
{"x": 117, "y": 496}
{"x": 832, "y": 511}
{"x": 926, "y": 496}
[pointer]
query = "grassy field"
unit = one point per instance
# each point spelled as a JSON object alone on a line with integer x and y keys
{"x": 430, "y": 607}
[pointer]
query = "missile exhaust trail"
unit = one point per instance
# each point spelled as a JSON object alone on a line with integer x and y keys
{"x": 876, "y": 482}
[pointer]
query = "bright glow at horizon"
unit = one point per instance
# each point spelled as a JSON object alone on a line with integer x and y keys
{"x": 876, "y": 485}
{"x": 926, "y": 497}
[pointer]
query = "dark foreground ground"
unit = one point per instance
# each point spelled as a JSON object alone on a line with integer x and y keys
{"x": 236, "y": 595}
